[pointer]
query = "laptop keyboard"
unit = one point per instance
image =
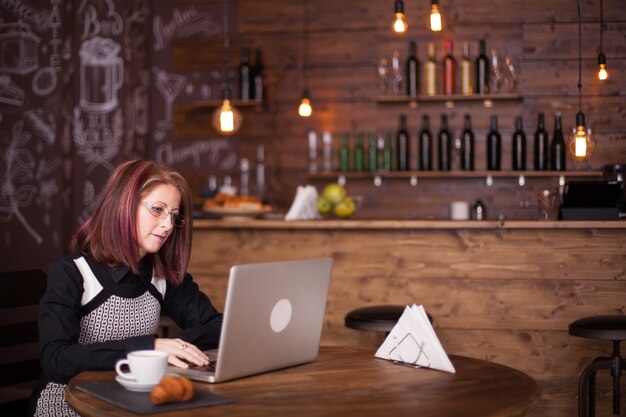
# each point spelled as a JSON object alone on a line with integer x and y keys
{"x": 204, "y": 368}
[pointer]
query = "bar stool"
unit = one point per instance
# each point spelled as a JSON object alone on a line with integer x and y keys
{"x": 380, "y": 318}
{"x": 605, "y": 328}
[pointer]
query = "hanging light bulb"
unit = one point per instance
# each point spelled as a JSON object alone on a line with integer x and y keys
{"x": 581, "y": 144}
{"x": 226, "y": 118}
{"x": 399, "y": 24}
{"x": 305, "y": 109}
{"x": 435, "y": 16}
{"x": 602, "y": 72}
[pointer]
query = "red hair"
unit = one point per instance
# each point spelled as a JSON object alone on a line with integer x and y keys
{"x": 110, "y": 233}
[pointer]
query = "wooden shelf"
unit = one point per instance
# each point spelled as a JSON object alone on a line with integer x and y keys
{"x": 449, "y": 100}
{"x": 489, "y": 175}
{"x": 234, "y": 102}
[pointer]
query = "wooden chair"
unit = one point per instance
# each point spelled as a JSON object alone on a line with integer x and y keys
{"x": 20, "y": 293}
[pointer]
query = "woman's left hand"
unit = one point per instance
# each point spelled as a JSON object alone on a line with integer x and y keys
{"x": 180, "y": 353}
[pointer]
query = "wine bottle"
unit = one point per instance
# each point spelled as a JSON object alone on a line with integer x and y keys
{"x": 426, "y": 146}
{"x": 444, "y": 142}
{"x": 430, "y": 72}
{"x": 467, "y": 145}
{"x": 387, "y": 159}
{"x": 557, "y": 147}
{"x": 412, "y": 71}
{"x": 541, "y": 150}
{"x": 494, "y": 146}
{"x": 519, "y": 146}
{"x": 358, "y": 153}
{"x": 372, "y": 160}
{"x": 466, "y": 72}
{"x": 257, "y": 77}
{"x": 344, "y": 152}
{"x": 244, "y": 75}
{"x": 402, "y": 146}
{"x": 449, "y": 69}
{"x": 482, "y": 70}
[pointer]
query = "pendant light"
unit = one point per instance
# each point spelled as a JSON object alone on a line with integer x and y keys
{"x": 226, "y": 118}
{"x": 399, "y": 24}
{"x": 602, "y": 72}
{"x": 305, "y": 109}
{"x": 435, "y": 16}
{"x": 581, "y": 145}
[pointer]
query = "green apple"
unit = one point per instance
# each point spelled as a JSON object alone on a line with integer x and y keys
{"x": 334, "y": 193}
{"x": 345, "y": 208}
{"x": 323, "y": 205}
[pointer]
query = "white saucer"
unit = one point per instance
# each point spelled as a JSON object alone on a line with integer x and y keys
{"x": 132, "y": 385}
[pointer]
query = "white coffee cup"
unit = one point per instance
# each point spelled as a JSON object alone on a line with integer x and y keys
{"x": 146, "y": 366}
{"x": 459, "y": 210}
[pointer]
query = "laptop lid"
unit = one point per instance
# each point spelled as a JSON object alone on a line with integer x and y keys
{"x": 273, "y": 317}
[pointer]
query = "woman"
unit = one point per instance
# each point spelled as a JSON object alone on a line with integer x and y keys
{"x": 129, "y": 264}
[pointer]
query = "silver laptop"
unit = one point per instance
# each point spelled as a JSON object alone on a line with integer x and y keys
{"x": 273, "y": 319}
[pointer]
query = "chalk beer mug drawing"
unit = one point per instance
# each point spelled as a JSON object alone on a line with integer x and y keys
{"x": 101, "y": 74}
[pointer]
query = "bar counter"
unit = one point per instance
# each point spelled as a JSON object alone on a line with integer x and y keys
{"x": 503, "y": 291}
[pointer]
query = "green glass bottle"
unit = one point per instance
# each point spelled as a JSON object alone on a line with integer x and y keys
{"x": 387, "y": 159}
{"x": 358, "y": 153}
{"x": 344, "y": 153}
{"x": 372, "y": 151}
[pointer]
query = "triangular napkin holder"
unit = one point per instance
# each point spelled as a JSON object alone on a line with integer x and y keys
{"x": 413, "y": 342}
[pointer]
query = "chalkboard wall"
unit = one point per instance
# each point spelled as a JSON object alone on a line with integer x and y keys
{"x": 85, "y": 85}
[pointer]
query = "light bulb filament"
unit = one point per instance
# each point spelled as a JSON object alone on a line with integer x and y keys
{"x": 227, "y": 118}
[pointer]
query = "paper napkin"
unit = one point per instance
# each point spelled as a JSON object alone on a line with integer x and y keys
{"x": 304, "y": 205}
{"x": 413, "y": 341}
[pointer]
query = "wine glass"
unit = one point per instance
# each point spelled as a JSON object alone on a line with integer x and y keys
{"x": 383, "y": 73}
{"x": 546, "y": 202}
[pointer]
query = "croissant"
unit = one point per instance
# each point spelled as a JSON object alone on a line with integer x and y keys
{"x": 172, "y": 389}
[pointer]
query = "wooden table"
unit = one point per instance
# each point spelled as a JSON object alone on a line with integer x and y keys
{"x": 346, "y": 381}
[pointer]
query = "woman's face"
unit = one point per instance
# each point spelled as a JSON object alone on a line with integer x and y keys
{"x": 152, "y": 231}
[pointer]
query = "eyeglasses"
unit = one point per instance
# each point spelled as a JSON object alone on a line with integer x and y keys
{"x": 161, "y": 212}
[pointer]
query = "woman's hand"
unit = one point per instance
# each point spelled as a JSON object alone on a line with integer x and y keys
{"x": 180, "y": 351}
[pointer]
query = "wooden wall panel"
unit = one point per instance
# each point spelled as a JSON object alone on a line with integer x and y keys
{"x": 346, "y": 39}
{"x": 500, "y": 295}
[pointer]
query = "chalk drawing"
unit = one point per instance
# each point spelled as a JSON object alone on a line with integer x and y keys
{"x": 19, "y": 168}
{"x": 10, "y": 93}
{"x": 170, "y": 86}
{"x": 99, "y": 18}
{"x": 20, "y": 48}
{"x": 101, "y": 74}
{"x": 26, "y": 12}
{"x": 44, "y": 125}
{"x": 217, "y": 152}
{"x": 183, "y": 23}
{"x": 45, "y": 81}
{"x": 98, "y": 143}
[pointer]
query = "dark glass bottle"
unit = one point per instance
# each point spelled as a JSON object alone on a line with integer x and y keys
{"x": 557, "y": 147}
{"x": 344, "y": 152}
{"x": 541, "y": 149}
{"x": 372, "y": 152}
{"x": 244, "y": 75}
{"x": 387, "y": 158}
{"x": 449, "y": 70}
{"x": 519, "y": 146}
{"x": 482, "y": 70}
{"x": 494, "y": 146}
{"x": 358, "y": 153}
{"x": 467, "y": 145}
{"x": 412, "y": 71}
{"x": 444, "y": 145}
{"x": 257, "y": 77}
{"x": 426, "y": 146}
{"x": 402, "y": 143}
